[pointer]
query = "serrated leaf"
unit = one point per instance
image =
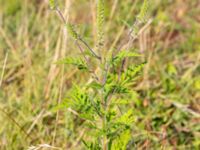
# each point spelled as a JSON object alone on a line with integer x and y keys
{"x": 124, "y": 54}
{"x": 133, "y": 70}
{"x": 126, "y": 119}
{"x": 78, "y": 62}
{"x": 121, "y": 141}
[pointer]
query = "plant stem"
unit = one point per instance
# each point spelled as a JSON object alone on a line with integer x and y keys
{"x": 104, "y": 105}
{"x": 91, "y": 50}
{"x": 80, "y": 39}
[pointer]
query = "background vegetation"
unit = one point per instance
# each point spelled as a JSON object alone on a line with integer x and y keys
{"x": 32, "y": 39}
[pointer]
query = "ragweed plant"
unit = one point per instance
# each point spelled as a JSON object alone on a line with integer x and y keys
{"x": 102, "y": 103}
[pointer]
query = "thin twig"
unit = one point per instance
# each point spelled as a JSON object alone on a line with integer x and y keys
{"x": 35, "y": 122}
{"x": 82, "y": 52}
{"x": 91, "y": 50}
{"x": 41, "y": 146}
{"x": 61, "y": 15}
{"x": 87, "y": 61}
{"x": 185, "y": 109}
{"x": 182, "y": 107}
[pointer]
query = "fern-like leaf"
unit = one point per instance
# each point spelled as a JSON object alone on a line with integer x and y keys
{"x": 133, "y": 70}
{"x": 126, "y": 119}
{"x": 121, "y": 142}
{"x": 124, "y": 54}
{"x": 80, "y": 102}
{"x": 78, "y": 62}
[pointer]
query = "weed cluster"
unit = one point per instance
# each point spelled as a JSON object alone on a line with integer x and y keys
{"x": 102, "y": 103}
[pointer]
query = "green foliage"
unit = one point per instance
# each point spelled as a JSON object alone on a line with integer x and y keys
{"x": 143, "y": 12}
{"x": 121, "y": 142}
{"x": 89, "y": 105}
{"x": 132, "y": 71}
{"x": 126, "y": 119}
{"x": 122, "y": 55}
{"x": 102, "y": 103}
{"x": 52, "y": 4}
{"x": 92, "y": 145}
{"x": 78, "y": 62}
{"x": 30, "y": 36}
{"x": 80, "y": 101}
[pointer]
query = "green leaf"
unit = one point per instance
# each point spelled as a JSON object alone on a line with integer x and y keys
{"x": 78, "y": 62}
{"x": 132, "y": 71}
{"x": 52, "y": 4}
{"x": 121, "y": 142}
{"x": 113, "y": 86}
{"x": 122, "y": 55}
{"x": 143, "y": 12}
{"x": 81, "y": 101}
{"x": 92, "y": 145}
{"x": 126, "y": 119}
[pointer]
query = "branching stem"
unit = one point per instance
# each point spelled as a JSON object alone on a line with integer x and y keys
{"x": 80, "y": 39}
